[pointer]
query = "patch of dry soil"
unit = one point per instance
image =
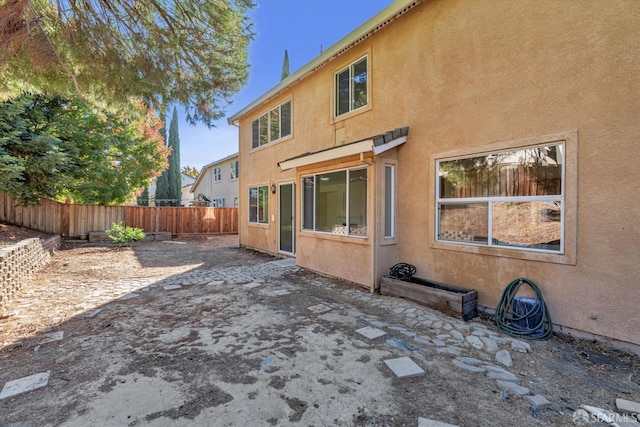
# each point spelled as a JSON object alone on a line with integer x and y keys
{"x": 209, "y": 354}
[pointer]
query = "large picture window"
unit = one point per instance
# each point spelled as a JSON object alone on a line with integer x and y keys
{"x": 259, "y": 205}
{"x": 509, "y": 199}
{"x": 335, "y": 202}
{"x": 351, "y": 87}
{"x": 271, "y": 126}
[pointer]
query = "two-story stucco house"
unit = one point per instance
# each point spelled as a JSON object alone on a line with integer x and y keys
{"x": 480, "y": 141}
{"x": 217, "y": 183}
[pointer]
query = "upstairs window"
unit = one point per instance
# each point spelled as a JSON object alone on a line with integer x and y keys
{"x": 216, "y": 175}
{"x": 271, "y": 126}
{"x": 234, "y": 170}
{"x": 351, "y": 87}
{"x": 509, "y": 199}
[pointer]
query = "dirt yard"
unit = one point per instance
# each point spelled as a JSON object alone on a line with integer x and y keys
{"x": 201, "y": 332}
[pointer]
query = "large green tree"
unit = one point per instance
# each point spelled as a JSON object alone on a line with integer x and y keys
{"x": 67, "y": 148}
{"x": 169, "y": 185}
{"x": 187, "y": 52}
{"x": 174, "y": 174}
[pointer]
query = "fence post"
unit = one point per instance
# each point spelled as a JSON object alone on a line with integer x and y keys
{"x": 65, "y": 218}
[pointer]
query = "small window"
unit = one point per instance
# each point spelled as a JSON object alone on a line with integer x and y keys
{"x": 389, "y": 201}
{"x": 235, "y": 202}
{"x": 351, "y": 87}
{"x": 218, "y": 202}
{"x": 509, "y": 199}
{"x": 272, "y": 126}
{"x": 217, "y": 176}
{"x": 259, "y": 205}
{"x": 234, "y": 170}
{"x": 335, "y": 202}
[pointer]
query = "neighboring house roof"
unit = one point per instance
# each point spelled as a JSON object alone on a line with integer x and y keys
{"x": 382, "y": 19}
{"x": 209, "y": 166}
{"x": 187, "y": 179}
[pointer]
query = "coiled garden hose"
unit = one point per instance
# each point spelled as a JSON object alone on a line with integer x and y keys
{"x": 402, "y": 271}
{"x": 519, "y": 324}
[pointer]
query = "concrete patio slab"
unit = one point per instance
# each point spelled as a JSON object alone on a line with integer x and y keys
{"x": 371, "y": 333}
{"x": 404, "y": 367}
{"x": 25, "y": 384}
{"x": 52, "y": 337}
{"x": 319, "y": 308}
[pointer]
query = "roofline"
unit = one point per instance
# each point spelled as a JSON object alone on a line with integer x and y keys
{"x": 384, "y": 17}
{"x": 209, "y": 165}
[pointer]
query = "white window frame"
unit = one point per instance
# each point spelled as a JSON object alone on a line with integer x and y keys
{"x": 217, "y": 175}
{"x": 255, "y": 144}
{"x": 265, "y": 214}
{"x": 490, "y": 201}
{"x": 234, "y": 170}
{"x": 348, "y": 206}
{"x": 218, "y": 202}
{"x": 336, "y": 94}
{"x": 390, "y": 188}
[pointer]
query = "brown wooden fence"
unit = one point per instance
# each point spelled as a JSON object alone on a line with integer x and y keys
{"x": 179, "y": 220}
{"x": 70, "y": 220}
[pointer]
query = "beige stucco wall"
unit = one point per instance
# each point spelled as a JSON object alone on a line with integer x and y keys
{"x": 466, "y": 76}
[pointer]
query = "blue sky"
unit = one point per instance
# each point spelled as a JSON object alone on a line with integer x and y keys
{"x": 301, "y": 27}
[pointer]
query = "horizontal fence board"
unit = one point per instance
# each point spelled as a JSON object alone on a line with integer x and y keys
{"x": 72, "y": 221}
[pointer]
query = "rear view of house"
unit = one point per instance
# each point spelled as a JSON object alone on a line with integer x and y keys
{"x": 479, "y": 141}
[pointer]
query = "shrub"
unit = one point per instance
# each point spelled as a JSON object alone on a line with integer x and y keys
{"x": 123, "y": 236}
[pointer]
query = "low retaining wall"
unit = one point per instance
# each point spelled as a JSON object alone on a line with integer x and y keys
{"x": 20, "y": 261}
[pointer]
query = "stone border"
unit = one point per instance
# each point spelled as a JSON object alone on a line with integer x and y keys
{"x": 20, "y": 261}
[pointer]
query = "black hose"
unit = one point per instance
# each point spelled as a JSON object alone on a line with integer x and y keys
{"x": 402, "y": 271}
{"x": 518, "y": 324}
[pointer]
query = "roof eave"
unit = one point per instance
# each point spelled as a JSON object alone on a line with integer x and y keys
{"x": 353, "y": 38}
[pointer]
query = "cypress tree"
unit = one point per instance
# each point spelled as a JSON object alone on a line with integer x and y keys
{"x": 143, "y": 200}
{"x": 285, "y": 66}
{"x": 162, "y": 192}
{"x": 174, "y": 174}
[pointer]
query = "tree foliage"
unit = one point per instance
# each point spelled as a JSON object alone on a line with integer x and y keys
{"x": 188, "y": 52}
{"x": 57, "y": 148}
{"x": 190, "y": 171}
{"x": 143, "y": 199}
{"x": 173, "y": 172}
{"x": 169, "y": 184}
{"x": 285, "y": 66}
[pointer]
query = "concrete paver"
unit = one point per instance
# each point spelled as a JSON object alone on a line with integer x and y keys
{"x": 404, "y": 367}
{"x": 24, "y": 385}
{"x": 371, "y": 333}
{"x": 319, "y": 308}
{"x": 425, "y": 422}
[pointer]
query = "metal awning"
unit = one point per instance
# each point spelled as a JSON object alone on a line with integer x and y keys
{"x": 377, "y": 144}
